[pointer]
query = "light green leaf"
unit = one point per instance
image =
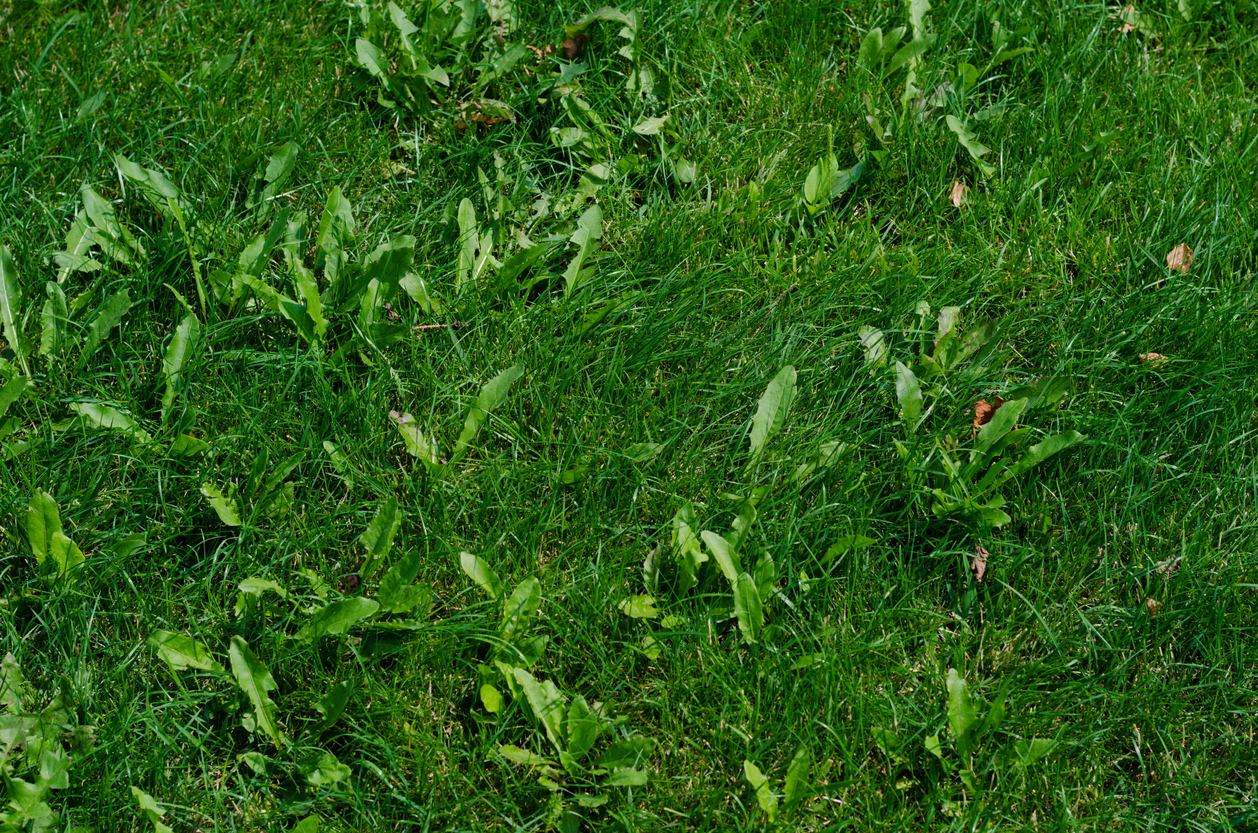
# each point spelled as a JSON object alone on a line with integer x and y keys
{"x": 12, "y": 684}
{"x": 650, "y": 127}
{"x": 797, "y": 777}
{"x": 625, "y": 778}
{"x": 151, "y": 812}
{"x": 686, "y": 548}
{"x": 764, "y": 793}
{"x": 378, "y": 537}
{"x": 523, "y": 757}
{"x": 325, "y": 771}
{"x": 255, "y": 681}
{"x": 547, "y": 703}
{"x": 870, "y": 54}
{"x": 109, "y": 419}
{"x": 875, "y": 346}
{"x": 53, "y": 320}
{"x": 639, "y": 607}
{"x": 104, "y": 322}
{"x": 186, "y": 445}
{"x": 774, "y": 405}
{"x": 479, "y": 571}
{"x": 491, "y": 699}
{"x": 917, "y": 16}
{"x": 10, "y": 308}
{"x": 418, "y": 444}
{"x": 332, "y": 705}
{"x": 583, "y": 727}
{"x": 909, "y": 52}
{"x": 1001, "y": 423}
{"x": 638, "y": 452}
{"x": 64, "y": 553}
{"x": 278, "y": 169}
{"x": 12, "y": 391}
{"x": 181, "y": 651}
{"x": 469, "y": 237}
{"x": 225, "y": 506}
{"x": 338, "y": 617}
{"x": 844, "y": 544}
{"x": 397, "y": 594}
{"x": 625, "y": 753}
{"x": 962, "y": 712}
{"x": 336, "y": 231}
{"x": 176, "y": 358}
{"x": 976, "y": 149}
{"x": 310, "y": 824}
{"x": 43, "y": 522}
{"x": 1030, "y": 751}
{"x": 519, "y": 608}
{"x": 1041, "y": 451}
{"x": 490, "y": 397}
{"x": 585, "y": 238}
{"x": 748, "y": 608}
{"x": 909, "y": 395}
{"x": 725, "y": 556}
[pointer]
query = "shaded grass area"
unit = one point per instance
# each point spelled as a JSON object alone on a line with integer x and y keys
{"x": 1116, "y": 613}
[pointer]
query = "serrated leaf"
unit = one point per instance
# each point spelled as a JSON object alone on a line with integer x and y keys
{"x": 909, "y": 395}
{"x": 53, "y": 320}
{"x": 519, "y": 609}
{"x": 110, "y": 419}
{"x": 418, "y": 443}
{"x": 797, "y": 777}
{"x": 12, "y": 684}
{"x": 181, "y": 651}
{"x": 338, "y": 617}
{"x": 583, "y": 728}
{"x": 975, "y": 148}
{"x": 774, "y": 405}
{"x": 255, "y": 680}
{"x": 332, "y": 705}
{"x": 10, "y": 308}
{"x": 43, "y": 522}
{"x": 176, "y": 359}
{"x": 764, "y": 793}
{"x": 479, "y": 571}
{"x": 546, "y": 702}
{"x": 149, "y": 809}
{"x": 489, "y": 398}
{"x": 378, "y": 537}
{"x": 748, "y": 607}
{"x": 397, "y": 594}
{"x": 110, "y": 314}
{"x": 585, "y": 238}
{"x": 225, "y": 506}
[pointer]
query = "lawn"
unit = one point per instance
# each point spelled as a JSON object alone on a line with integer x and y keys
{"x": 493, "y": 415}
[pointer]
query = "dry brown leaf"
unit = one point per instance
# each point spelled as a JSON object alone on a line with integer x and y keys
{"x": 573, "y": 47}
{"x": 984, "y": 411}
{"x": 979, "y": 564}
{"x": 1153, "y": 359}
{"x": 1179, "y": 258}
{"x": 959, "y": 196}
{"x": 1128, "y": 14}
{"x": 1153, "y": 606}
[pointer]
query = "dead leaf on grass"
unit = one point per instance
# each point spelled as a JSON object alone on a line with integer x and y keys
{"x": 960, "y": 196}
{"x": 1153, "y": 359}
{"x": 1179, "y": 258}
{"x": 573, "y": 47}
{"x": 979, "y": 564}
{"x": 1153, "y": 606}
{"x": 984, "y": 411}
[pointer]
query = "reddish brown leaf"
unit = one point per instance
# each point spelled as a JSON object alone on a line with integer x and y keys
{"x": 984, "y": 411}
{"x": 1153, "y": 606}
{"x": 1179, "y": 258}
{"x": 979, "y": 564}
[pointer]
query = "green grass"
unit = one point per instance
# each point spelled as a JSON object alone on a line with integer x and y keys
{"x": 1117, "y": 612}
